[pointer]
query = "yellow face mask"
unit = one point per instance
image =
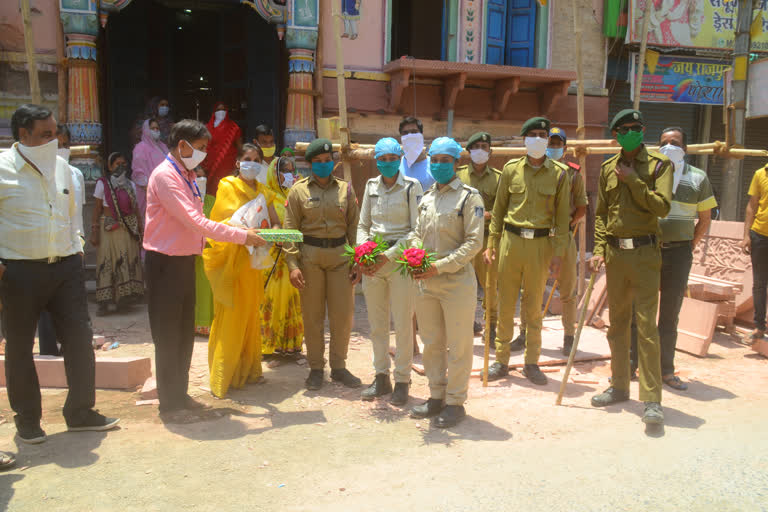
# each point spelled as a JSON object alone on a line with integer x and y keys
{"x": 268, "y": 152}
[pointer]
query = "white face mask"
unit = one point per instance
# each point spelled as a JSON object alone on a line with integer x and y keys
{"x": 413, "y": 145}
{"x": 254, "y": 171}
{"x": 190, "y": 162}
{"x": 155, "y": 134}
{"x": 163, "y": 110}
{"x": 536, "y": 146}
{"x": 288, "y": 179}
{"x": 202, "y": 182}
{"x": 677, "y": 155}
{"x": 44, "y": 157}
{"x": 64, "y": 153}
{"x": 479, "y": 156}
{"x": 218, "y": 117}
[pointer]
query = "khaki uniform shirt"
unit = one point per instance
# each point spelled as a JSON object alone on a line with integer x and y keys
{"x": 389, "y": 211}
{"x": 450, "y": 224}
{"x": 329, "y": 212}
{"x": 533, "y": 198}
{"x": 578, "y": 189}
{"x": 633, "y": 207}
{"x": 486, "y": 184}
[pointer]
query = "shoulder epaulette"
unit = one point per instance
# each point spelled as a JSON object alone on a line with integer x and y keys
{"x": 575, "y": 167}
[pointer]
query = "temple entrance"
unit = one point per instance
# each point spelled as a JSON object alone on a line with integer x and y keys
{"x": 194, "y": 54}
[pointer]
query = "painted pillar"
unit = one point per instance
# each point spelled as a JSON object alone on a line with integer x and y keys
{"x": 301, "y": 41}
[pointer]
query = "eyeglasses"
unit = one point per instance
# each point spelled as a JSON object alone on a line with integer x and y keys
{"x": 626, "y": 129}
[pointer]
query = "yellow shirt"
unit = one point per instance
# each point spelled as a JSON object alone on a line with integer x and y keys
{"x": 759, "y": 189}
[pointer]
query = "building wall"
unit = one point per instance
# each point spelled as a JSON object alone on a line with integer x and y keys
{"x": 563, "y": 48}
{"x": 367, "y": 51}
{"x": 45, "y": 16}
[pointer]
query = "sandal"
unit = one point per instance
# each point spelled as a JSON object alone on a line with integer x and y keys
{"x": 675, "y": 383}
{"x": 6, "y": 461}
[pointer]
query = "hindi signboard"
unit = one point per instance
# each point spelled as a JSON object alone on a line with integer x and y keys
{"x": 757, "y": 97}
{"x": 696, "y": 23}
{"x": 678, "y": 79}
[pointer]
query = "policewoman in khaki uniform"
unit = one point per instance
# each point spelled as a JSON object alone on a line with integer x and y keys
{"x": 389, "y": 210}
{"x": 324, "y": 208}
{"x": 450, "y": 224}
{"x": 634, "y": 191}
{"x": 529, "y": 231}
{"x": 485, "y": 179}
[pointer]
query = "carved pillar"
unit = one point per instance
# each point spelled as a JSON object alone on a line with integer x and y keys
{"x": 301, "y": 41}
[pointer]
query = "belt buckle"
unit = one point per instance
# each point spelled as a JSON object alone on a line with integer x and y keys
{"x": 527, "y": 233}
{"x": 53, "y": 259}
{"x": 626, "y": 243}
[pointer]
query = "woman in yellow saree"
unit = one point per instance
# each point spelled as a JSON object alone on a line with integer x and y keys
{"x": 282, "y": 327}
{"x": 234, "y": 345}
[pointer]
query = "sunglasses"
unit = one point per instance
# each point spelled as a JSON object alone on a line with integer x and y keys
{"x": 626, "y": 129}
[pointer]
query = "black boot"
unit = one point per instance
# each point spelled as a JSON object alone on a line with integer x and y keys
{"x": 493, "y": 335}
{"x": 518, "y": 344}
{"x": 400, "y": 394}
{"x": 431, "y": 407}
{"x": 315, "y": 380}
{"x": 450, "y": 416}
{"x": 497, "y": 370}
{"x": 477, "y": 327}
{"x": 345, "y": 377}
{"x": 610, "y": 396}
{"x": 534, "y": 374}
{"x": 380, "y": 386}
{"x": 567, "y": 345}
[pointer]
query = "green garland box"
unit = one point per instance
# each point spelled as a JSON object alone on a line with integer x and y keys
{"x": 281, "y": 235}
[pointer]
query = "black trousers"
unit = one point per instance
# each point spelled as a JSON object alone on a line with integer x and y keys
{"x": 759, "y": 276}
{"x": 171, "y": 300}
{"x": 675, "y": 266}
{"x": 26, "y": 289}
{"x": 46, "y": 335}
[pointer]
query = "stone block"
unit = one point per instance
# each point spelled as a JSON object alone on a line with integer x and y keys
{"x": 111, "y": 373}
{"x": 149, "y": 390}
{"x": 761, "y": 347}
{"x": 696, "y": 326}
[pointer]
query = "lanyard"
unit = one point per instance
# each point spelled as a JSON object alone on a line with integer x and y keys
{"x": 196, "y": 190}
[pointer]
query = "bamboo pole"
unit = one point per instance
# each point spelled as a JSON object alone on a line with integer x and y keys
{"x": 342, "y": 93}
{"x": 319, "y": 64}
{"x": 580, "y": 135}
{"x": 29, "y": 48}
{"x": 62, "y": 70}
{"x": 641, "y": 58}
{"x": 574, "y": 347}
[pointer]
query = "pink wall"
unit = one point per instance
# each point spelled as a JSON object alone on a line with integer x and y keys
{"x": 44, "y": 25}
{"x": 367, "y": 51}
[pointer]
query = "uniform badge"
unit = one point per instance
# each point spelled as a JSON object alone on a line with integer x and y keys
{"x": 479, "y": 211}
{"x": 543, "y": 124}
{"x": 635, "y": 115}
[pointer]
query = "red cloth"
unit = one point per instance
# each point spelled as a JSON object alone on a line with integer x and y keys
{"x": 222, "y": 152}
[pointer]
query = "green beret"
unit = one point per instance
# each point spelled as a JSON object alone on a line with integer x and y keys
{"x": 478, "y": 137}
{"x": 535, "y": 123}
{"x": 317, "y": 147}
{"x": 626, "y": 116}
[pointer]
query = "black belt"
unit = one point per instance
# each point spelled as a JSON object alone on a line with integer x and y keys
{"x": 43, "y": 261}
{"x": 677, "y": 243}
{"x": 391, "y": 243}
{"x": 636, "y": 241}
{"x": 537, "y": 232}
{"x": 325, "y": 243}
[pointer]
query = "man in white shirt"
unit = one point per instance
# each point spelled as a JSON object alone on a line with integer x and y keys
{"x": 41, "y": 268}
{"x": 46, "y": 333}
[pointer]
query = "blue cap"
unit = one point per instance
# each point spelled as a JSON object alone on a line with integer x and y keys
{"x": 387, "y": 146}
{"x": 558, "y": 132}
{"x": 445, "y": 146}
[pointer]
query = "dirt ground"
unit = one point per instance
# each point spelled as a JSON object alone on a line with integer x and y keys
{"x": 276, "y": 446}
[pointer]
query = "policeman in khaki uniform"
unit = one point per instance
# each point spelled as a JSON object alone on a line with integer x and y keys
{"x": 389, "y": 209}
{"x": 450, "y": 224}
{"x": 324, "y": 209}
{"x": 529, "y": 230}
{"x": 485, "y": 179}
{"x": 635, "y": 190}
{"x": 567, "y": 282}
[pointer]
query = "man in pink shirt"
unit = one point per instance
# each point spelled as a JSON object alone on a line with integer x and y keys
{"x": 174, "y": 234}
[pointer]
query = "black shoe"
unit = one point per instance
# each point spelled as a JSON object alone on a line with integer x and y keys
{"x": 451, "y": 415}
{"x": 518, "y": 344}
{"x": 431, "y": 407}
{"x": 653, "y": 414}
{"x": 610, "y": 396}
{"x": 315, "y": 380}
{"x": 400, "y": 394}
{"x": 7, "y": 461}
{"x": 477, "y": 327}
{"x": 567, "y": 345}
{"x": 380, "y": 386}
{"x": 534, "y": 374}
{"x": 93, "y": 422}
{"x": 496, "y": 371}
{"x": 29, "y": 431}
{"x": 345, "y": 377}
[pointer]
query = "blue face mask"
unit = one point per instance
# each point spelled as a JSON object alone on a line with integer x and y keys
{"x": 322, "y": 169}
{"x": 555, "y": 153}
{"x": 442, "y": 172}
{"x": 388, "y": 169}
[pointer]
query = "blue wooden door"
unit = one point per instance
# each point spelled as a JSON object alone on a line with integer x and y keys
{"x": 521, "y": 33}
{"x": 496, "y": 32}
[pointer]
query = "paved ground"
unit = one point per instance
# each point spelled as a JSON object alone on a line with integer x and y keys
{"x": 275, "y": 446}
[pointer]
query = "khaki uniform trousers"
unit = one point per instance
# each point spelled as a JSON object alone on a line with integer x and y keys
{"x": 523, "y": 263}
{"x": 387, "y": 291}
{"x": 633, "y": 275}
{"x": 326, "y": 277}
{"x": 445, "y": 309}
{"x": 567, "y": 287}
{"x": 490, "y": 299}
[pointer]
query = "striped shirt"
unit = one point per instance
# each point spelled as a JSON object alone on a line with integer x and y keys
{"x": 693, "y": 195}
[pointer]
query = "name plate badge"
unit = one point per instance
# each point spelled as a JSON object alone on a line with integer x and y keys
{"x": 527, "y": 233}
